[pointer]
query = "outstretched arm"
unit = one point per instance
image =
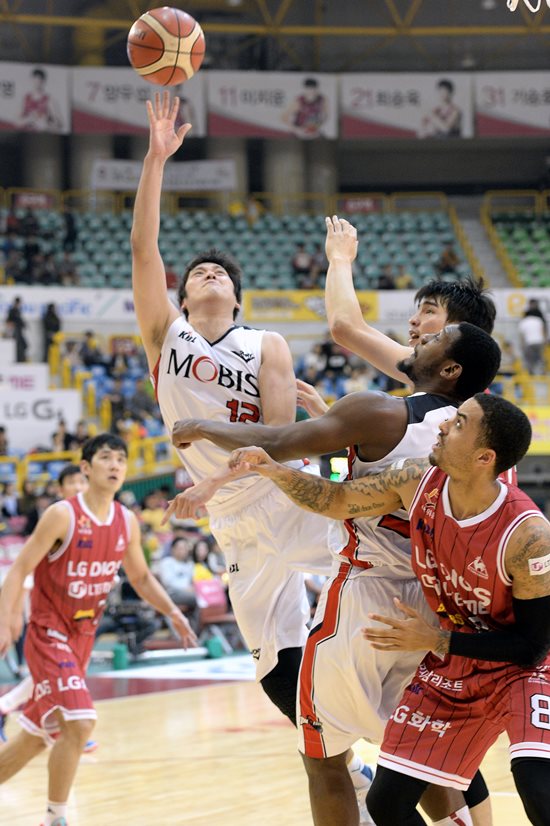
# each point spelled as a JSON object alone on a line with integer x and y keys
{"x": 155, "y": 312}
{"x": 370, "y": 496}
{"x": 345, "y": 317}
{"x": 351, "y": 420}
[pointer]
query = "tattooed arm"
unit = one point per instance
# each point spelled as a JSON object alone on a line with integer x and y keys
{"x": 372, "y": 496}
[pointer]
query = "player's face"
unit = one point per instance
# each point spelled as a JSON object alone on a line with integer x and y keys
{"x": 208, "y": 281}
{"x": 429, "y": 353}
{"x": 430, "y": 317}
{"x": 458, "y": 439}
{"x": 107, "y": 469}
{"x": 76, "y": 483}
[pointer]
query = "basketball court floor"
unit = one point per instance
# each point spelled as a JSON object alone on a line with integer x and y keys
{"x": 196, "y": 743}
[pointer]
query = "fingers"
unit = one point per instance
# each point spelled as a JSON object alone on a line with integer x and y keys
{"x": 393, "y": 623}
{"x": 183, "y": 130}
{"x": 339, "y": 226}
{"x": 169, "y": 511}
{"x": 410, "y": 612}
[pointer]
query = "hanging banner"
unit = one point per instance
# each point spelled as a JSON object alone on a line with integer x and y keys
{"x": 34, "y": 98}
{"x": 31, "y": 417}
{"x": 272, "y": 105}
{"x": 512, "y": 104}
{"x": 298, "y": 305}
{"x": 112, "y": 100}
{"x": 406, "y": 106}
{"x": 189, "y": 176}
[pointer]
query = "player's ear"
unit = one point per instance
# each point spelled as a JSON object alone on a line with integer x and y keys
{"x": 451, "y": 371}
{"x": 486, "y": 457}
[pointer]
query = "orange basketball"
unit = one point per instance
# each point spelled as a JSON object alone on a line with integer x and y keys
{"x": 166, "y": 46}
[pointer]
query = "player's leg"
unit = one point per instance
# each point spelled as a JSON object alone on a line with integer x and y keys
{"x": 281, "y": 684}
{"x": 12, "y": 700}
{"x": 393, "y": 798}
{"x": 532, "y": 779}
{"x": 331, "y": 791}
{"x": 18, "y": 752}
{"x": 63, "y": 762}
{"x": 478, "y": 801}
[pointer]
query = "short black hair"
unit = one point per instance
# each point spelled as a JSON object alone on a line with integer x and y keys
{"x": 311, "y": 83}
{"x": 479, "y": 356}
{"x": 39, "y": 73}
{"x": 67, "y": 472}
{"x": 96, "y": 443}
{"x": 465, "y": 300}
{"x": 225, "y": 260}
{"x": 505, "y": 429}
{"x": 445, "y": 83}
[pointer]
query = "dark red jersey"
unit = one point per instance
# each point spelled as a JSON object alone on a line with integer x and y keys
{"x": 460, "y": 563}
{"x": 71, "y": 583}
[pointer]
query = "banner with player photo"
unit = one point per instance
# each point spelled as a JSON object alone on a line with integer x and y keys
{"x": 34, "y": 98}
{"x": 272, "y": 105}
{"x": 512, "y": 104}
{"x": 406, "y": 106}
{"x": 112, "y": 101}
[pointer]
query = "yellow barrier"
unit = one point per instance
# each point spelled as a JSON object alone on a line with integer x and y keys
{"x": 23, "y": 464}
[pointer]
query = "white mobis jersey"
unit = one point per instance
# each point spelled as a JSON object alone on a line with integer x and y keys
{"x": 381, "y": 544}
{"x": 218, "y": 381}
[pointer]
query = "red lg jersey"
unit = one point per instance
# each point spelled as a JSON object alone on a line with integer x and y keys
{"x": 461, "y": 563}
{"x": 72, "y": 582}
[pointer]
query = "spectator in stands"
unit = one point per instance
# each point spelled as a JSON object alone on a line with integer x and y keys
{"x": 201, "y": 568}
{"x": 90, "y": 351}
{"x": 43, "y": 501}
{"x": 16, "y": 325}
{"x": 118, "y": 403}
{"x": 532, "y": 336}
{"x": 9, "y": 501}
{"x": 153, "y": 510}
{"x": 253, "y": 210}
{"x": 403, "y": 280}
{"x": 50, "y": 272}
{"x": 312, "y": 364}
{"x": 27, "y": 500}
{"x": 51, "y": 324}
{"x": 81, "y": 434}
{"x": 72, "y": 353}
{"x": 71, "y": 232}
{"x": 29, "y": 224}
{"x": 508, "y": 359}
{"x": 386, "y": 281}
{"x": 14, "y": 269}
{"x": 176, "y": 573}
{"x": 141, "y": 404}
{"x": 360, "y": 379}
{"x": 301, "y": 264}
{"x": 336, "y": 358}
{"x": 216, "y": 561}
{"x": 534, "y": 308}
{"x": 62, "y": 438}
{"x": 319, "y": 264}
{"x": 118, "y": 363}
{"x": 67, "y": 270}
{"x": 448, "y": 261}
{"x": 4, "y": 446}
{"x": 9, "y": 243}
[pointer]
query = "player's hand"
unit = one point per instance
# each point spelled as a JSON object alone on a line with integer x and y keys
{"x": 162, "y": 114}
{"x": 410, "y": 634}
{"x": 341, "y": 241}
{"x": 184, "y": 432}
{"x": 183, "y": 629}
{"x": 254, "y": 459}
{"x": 308, "y": 398}
{"x": 190, "y": 503}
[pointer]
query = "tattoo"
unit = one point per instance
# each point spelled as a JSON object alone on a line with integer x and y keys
{"x": 441, "y": 649}
{"x": 371, "y": 495}
{"x": 308, "y": 491}
{"x": 527, "y": 558}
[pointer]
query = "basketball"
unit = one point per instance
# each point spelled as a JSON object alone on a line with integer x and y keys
{"x": 166, "y": 46}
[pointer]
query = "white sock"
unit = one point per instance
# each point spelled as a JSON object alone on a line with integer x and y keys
{"x": 55, "y": 810}
{"x": 17, "y": 696}
{"x": 459, "y": 818}
{"x": 355, "y": 767}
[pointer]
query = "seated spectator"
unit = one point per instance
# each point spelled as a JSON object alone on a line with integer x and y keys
{"x": 448, "y": 261}
{"x": 82, "y": 432}
{"x": 301, "y": 263}
{"x": 331, "y": 386}
{"x": 62, "y": 439}
{"x": 43, "y": 501}
{"x": 4, "y": 446}
{"x": 386, "y": 281}
{"x": 118, "y": 402}
{"x": 72, "y": 353}
{"x": 67, "y": 270}
{"x": 153, "y": 510}
{"x": 119, "y": 362}
{"x": 141, "y": 404}
{"x": 27, "y": 500}
{"x": 201, "y": 551}
{"x": 9, "y": 502}
{"x": 403, "y": 280}
{"x": 312, "y": 364}
{"x": 319, "y": 264}
{"x": 176, "y": 573}
{"x": 91, "y": 353}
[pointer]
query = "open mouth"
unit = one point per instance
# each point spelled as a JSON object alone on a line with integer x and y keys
{"x": 413, "y": 337}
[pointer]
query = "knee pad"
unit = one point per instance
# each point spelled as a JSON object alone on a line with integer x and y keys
{"x": 477, "y": 791}
{"x": 281, "y": 684}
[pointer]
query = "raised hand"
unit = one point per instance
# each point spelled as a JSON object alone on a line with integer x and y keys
{"x": 308, "y": 398}
{"x": 164, "y": 140}
{"x": 341, "y": 241}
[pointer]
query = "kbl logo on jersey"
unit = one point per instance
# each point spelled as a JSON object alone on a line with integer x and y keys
{"x": 84, "y": 525}
{"x": 430, "y": 504}
{"x": 205, "y": 370}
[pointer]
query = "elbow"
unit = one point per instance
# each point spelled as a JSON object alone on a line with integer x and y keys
{"x": 340, "y": 329}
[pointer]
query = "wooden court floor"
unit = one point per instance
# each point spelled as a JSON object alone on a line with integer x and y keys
{"x": 218, "y": 755}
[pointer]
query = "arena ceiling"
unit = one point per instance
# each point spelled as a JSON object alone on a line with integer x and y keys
{"x": 302, "y": 35}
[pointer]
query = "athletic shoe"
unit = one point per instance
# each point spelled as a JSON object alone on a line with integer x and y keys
{"x": 364, "y": 818}
{"x": 59, "y": 821}
{"x": 3, "y": 718}
{"x": 90, "y": 747}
